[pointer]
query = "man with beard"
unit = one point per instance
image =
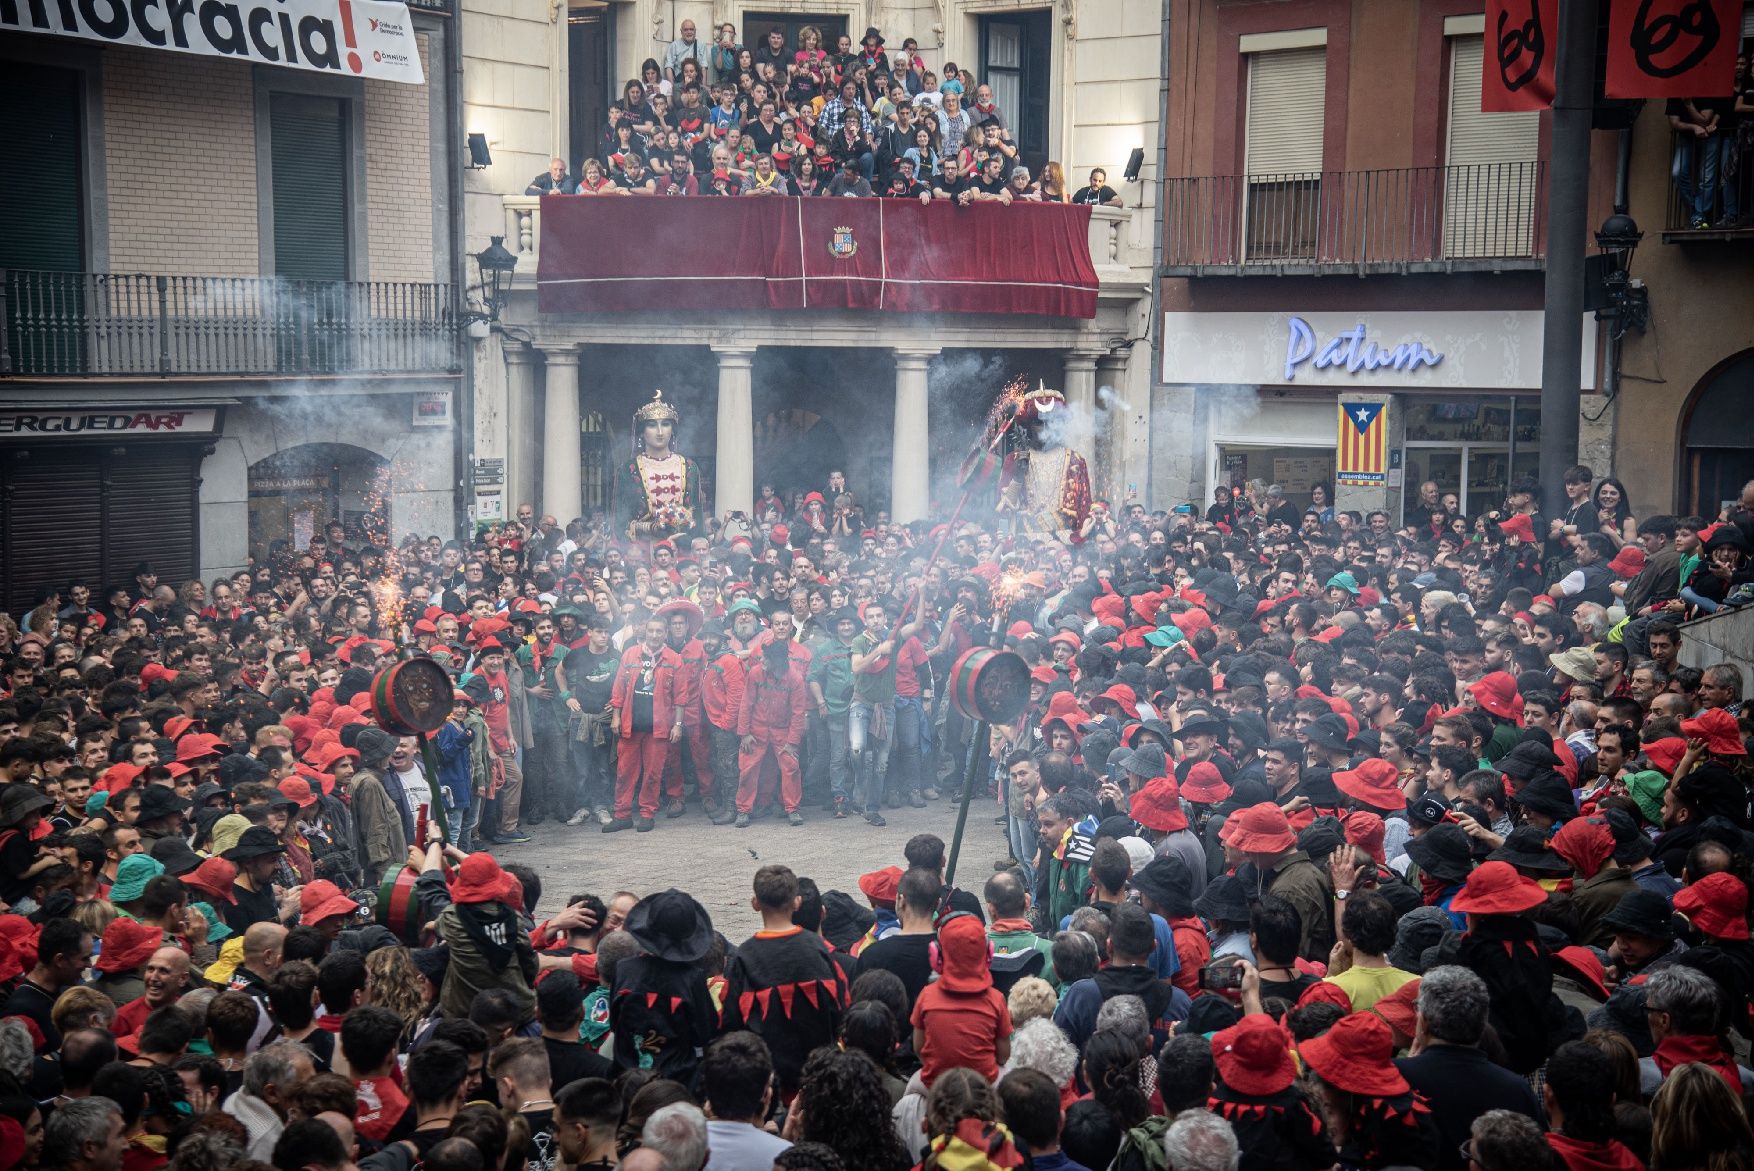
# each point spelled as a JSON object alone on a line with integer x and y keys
{"x": 771, "y": 722}
{"x": 692, "y": 755}
{"x": 648, "y": 723}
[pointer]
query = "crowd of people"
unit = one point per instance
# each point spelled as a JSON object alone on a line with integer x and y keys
{"x": 1329, "y": 843}
{"x": 779, "y": 118}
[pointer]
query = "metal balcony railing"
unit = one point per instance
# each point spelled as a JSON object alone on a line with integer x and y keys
{"x": 1416, "y": 219}
{"x": 95, "y": 324}
{"x": 1699, "y": 210}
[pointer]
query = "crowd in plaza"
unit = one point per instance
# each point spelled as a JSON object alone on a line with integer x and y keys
{"x": 779, "y": 118}
{"x": 1330, "y": 842}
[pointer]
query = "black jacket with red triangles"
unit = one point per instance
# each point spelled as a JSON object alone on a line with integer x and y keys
{"x": 662, "y": 1016}
{"x": 782, "y": 986}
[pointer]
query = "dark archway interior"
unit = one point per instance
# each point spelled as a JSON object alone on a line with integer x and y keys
{"x": 1720, "y": 437}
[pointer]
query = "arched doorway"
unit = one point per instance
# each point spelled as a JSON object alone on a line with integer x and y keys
{"x": 796, "y": 449}
{"x": 297, "y": 491}
{"x": 1718, "y": 456}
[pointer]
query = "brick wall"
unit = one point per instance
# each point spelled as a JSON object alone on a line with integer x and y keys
{"x": 180, "y": 150}
{"x": 398, "y": 178}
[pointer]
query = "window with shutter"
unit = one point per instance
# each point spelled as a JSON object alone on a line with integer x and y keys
{"x": 1283, "y": 152}
{"x": 51, "y": 509}
{"x": 308, "y": 151}
{"x": 1492, "y": 177}
{"x": 41, "y": 212}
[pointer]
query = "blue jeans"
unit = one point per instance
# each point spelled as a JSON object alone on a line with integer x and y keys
{"x": 911, "y": 734}
{"x": 834, "y": 732}
{"x": 869, "y": 748}
{"x": 1710, "y": 158}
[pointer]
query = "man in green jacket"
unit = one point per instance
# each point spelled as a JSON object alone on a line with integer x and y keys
{"x": 488, "y": 946}
{"x": 1008, "y": 928}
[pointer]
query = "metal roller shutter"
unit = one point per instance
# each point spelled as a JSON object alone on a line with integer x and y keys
{"x": 150, "y": 511}
{"x": 1492, "y": 179}
{"x": 51, "y": 508}
{"x": 308, "y": 149}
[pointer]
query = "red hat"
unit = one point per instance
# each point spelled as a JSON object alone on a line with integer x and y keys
{"x": 1158, "y": 806}
{"x": 1495, "y": 888}
{"x": 527, "y": 606}
{"x": 154, "y": 671}
{"x": 780, "y": 534}
{"x": 1019, "y": 629}
{"x": 323, "y": 758}
{"x": 1584, "y": 964}
{"x": 1252, "y": 1056}
{"x": 1122, "y": 697}
{"x": 1628, "y": 561}
{"x": 964, "y": 955}
{"x": 127, "y": 943}
{"x": 1145, "y": 606}
{"x": 1043, "y": 675}
{"x": 480, "y": 880}
{"x": 12, "y": 1142}
{"x": 1191, "y": 622}
{"x": 22, "y": 934}
{"x": 1374, "y": 782}
{"x": 1259, "y": 829}
{"x": 422, "y": 626}
{"x": 880, "y": 886}
{"x": 1665, "y": 752}
{"x": 1400, "y": 1007}
{"x": 1717, "y": 904}
{"x": 197, "y": 746}
{"x": 118, "y": 777}
{"x": 1205, "y": 784}
{"x": 1330, "y": 634}
{"x": 12, "y": 964}
{"x": 1718, "y": 729}
{"x": 298, "y": 791}
{"x": 321, "y": 900}
{"x": 1070, "y": 639}
{"x": 1321, "y": 992}
{"x": 1586, "y": 843}
{"x": 1365, "y": 830}
{"x": 695, "y": 616}
{"x": 1519, "y": 526}
{"x": 1496, "y": 692}
{"x": 1356, "y": 1055}
{"x": 176, "y": 726}
{"x": 214, "y": 878}
{"x": 177, "y": 768}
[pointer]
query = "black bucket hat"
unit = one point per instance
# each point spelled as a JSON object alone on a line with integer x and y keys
{"x": 1329, "y": 732}
{"x": 1443, "y": 852}
{"x": 672, "y": 926}
{"x": 176, "y": 856}
{"x": 255, "y": 842}
{"x": 1224, "y": 898}
{"x": 1526, "y": 848}
{"x": 1548, "y": 794}
{"x": 1642, "y": 912}
{"x": 1167, "y": 883}
{"x": 160, "y": 801}
{"x": 1420, "y": 928}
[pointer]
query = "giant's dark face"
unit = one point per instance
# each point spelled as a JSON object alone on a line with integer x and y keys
{"x": 658, "y": 432}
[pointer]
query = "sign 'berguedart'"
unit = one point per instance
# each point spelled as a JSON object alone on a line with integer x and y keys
{"x": 350, "y": 38}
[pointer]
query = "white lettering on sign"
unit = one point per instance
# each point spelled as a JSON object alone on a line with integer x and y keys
{"x": 1350, "y": 350}
{"x": 353, "y": 38}
{"x": 198, "y": 421}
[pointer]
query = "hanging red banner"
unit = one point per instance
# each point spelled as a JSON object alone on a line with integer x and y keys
{"x": 1521, "y": 47}
{"x": 1672, "y": 48}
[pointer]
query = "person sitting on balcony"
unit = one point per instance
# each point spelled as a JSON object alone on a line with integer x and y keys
{"x": 994, "y": 141}
{"x": 990, "y": 185}
{"x": 789, "y": 147}
{"x": 909, "y": 67}
{"x": 1097, "y": 191}
{"x": 764, "y": 132}
{"x": 1053, "y": 184}
{"x": 634, "y": 179}
{"x": 1021, "y": 188}
{"x": 553, "y": 181}
{"x": 844, "y": 107}
{"x": 903, "y": 185}
{"x": 592, "y": 180}
{"x": 723, "y": 178}
{"x": 680, "y": 180}
{"x": 722, "y": 57}
{"x": 850, "y": 142}
{"x": 983, "y": 112}
{"x": 724, "y": 113}
{"x": 850, "y": 181}
{"x": 765, "y": 179}
{"x": 1705, "y": 146}
{"x": 807, "y": 177}
{"x": 922, "y": 153}
{"x": 627, "y": 142}
{"x": 953, "y": 185}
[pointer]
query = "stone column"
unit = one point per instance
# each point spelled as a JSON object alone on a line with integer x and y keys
{"x": 1080, "y": 392}
{"x": 560, "y": 435}
{"x": 519, "y": 421}
{"x": 1113, "y": 449}
{"x": 910, "y": 463}
{"x": 734, "y": 469}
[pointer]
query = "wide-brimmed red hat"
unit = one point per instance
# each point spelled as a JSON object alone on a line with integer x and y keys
{"x": 1365, "y": 830}
{"x": 298, "y": 791}
{"x": 695, "y": 615}
{"x": 1399, "y": 1008}
{"x": 197, "y": 746}
{"x": 1665, "y": 753}
{"x": 1586, "y": 966}
{"x": 1252, "y": 1056}
{"x": 480, "y": 880}
{"x": 1357, "y": 1056}
{"x": 1122, "y": 697}
{"x": 1519, "y": 526}
{"x": 1158, "y": 806}
{"x": 214, "y": 878}
{"x": 1377, "y": 783}
{"x": 321, "y": 900}
{"x": 127, "y": 943}
{"x": 1496, "y": 692}
{"x": 1717, "y": 905}
{"x": 1259, "y": 829}
{"x": 880, "y": 886}
{"x": 1043, "y": 674}
{"x": 1495, "y": 888}
{"x": 1628, "y": 562}
{"x": 1585, "y": 842}
{"x": 1718, "y": 729}
{"x": 1205, "y": 784}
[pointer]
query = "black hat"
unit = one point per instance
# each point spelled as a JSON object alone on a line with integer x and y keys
{"x": 1713, "y": 789}
{"x": 254, "y": 842}
{"x": 1549, "y": 795}
{"x": 1368, "y": 741}
{"x": 1418, "y": 929}
{"x": 844, "y": 919}
{"x": 1202, "y": 724}
{"x": 871, "y": 34}
{"x": 1250, "y": 727}
{"x": 367, "y": 939}
{"x": 1527, "y": 760}
{"x": 1148, "y": 761}
{"x": 1321, "y": 837}
{"x": 1630, "y": 843}
{"x": 1224, "y": 898}
{"x": 1222, "y": 590}
{"x": 431, "y": 962}
{"x": 1210, "y": 1014}
{"x": 207, "y": 790}
{"x": 237, "y": 768}
{"x": 158, "y": 801}
{"x": 1318, "y": 785}
{"x": 672, "y": 926}
{"x": 1157, "y": 728}
{"x": 1624, "y": 1014}
{"x": 1329, "y": 732}
{"x": 1428, "y": 810}
{"x": 1167, "y": 883}
{"x": 1443, "y": 852}
{"x": 1642, "y": 912}
{"x": 176, "y": 856}
{"x": 18, "y": 801}
{"x": 1526, "y": 848}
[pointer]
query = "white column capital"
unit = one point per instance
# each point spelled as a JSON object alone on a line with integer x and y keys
{"x": 1082, "y": 361}
{"x": 734, "y": 356}
{"x": 516, "y": 354}
{"x": 561, "y": 353}
{"x": 914, "y": 358}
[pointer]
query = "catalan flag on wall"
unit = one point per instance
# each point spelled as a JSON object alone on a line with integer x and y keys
{"x": 1361, "y": 456}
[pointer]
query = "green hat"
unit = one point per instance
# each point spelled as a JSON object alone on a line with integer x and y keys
{"x": 227, "y": 830}
{"x": 566, "y": 610}
{"x": 1164, "y": 636}
{"x": 132, "y": 876}
{"x": 1647, "y": 790}
{"x": 216, "y": 928}
{"x": 1345, "y": 581}
{"x": 741, "y": 605}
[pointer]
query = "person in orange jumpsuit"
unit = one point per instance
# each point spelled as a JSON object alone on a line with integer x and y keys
{"x": 776, "y": 703}
{"x": 648, "y": 723}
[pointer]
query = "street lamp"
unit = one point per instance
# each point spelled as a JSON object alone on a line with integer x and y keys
{"x": 496, "y": 265}
{"x": 1627, "y": 304}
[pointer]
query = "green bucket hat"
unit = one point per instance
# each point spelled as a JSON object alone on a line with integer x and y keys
{"x": 1164, "y": 636}
{"x": 739, "y": 605}
{"x": 1345, "y": 581}
{"x": 216, "y": 928}
{"x": 135, "y": 871}
{"x": 1647, "y": 791}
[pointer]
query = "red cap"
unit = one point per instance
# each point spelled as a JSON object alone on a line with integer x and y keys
{"x": 1717, "y": 904}
{"x": 1495, "y": 888}
{"x": 1253, "y": 1057}
{"x": 1628, "y": 562}
{"x": 1718, "y": 729}
{"x": 176, "y": 726}
{"x": 1019, "y": 629}
{"x": 118, "y": 776}
{"x": 1259, "y": 829}
{"x": 1158, "y": 806}
{"x": 1374, "y": 782}
{"x": 1357, "y": 1056}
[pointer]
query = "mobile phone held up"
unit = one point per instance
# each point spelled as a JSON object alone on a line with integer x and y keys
{"x": 1222, "y": 975}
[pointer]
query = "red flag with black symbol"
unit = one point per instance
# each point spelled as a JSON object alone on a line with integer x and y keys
{"x": 1672, "y": 48}
{"x": 1521, "y": 48}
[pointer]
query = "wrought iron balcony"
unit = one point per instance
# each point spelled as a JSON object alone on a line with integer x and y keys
{"x": 1699, "y": 210}
{"x": 88, "y": 324}
{"x": 1488, "y": 216}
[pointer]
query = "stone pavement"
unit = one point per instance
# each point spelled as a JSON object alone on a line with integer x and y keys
{"x": 714, "y": 863}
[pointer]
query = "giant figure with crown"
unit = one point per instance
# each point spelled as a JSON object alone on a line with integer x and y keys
{"x": 660, "y": 494}
{"x": 1043, "y": 484}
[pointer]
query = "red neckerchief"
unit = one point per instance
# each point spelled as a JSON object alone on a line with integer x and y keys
{"x": 537, "y": 654}
{"x": 1675, "y": 1051}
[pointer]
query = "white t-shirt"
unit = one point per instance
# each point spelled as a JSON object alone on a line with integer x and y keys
{"x": 414, "y": 788}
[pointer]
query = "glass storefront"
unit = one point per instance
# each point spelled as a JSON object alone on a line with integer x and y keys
{"x": 1296, "y": 469}
{"x": 1470, "y": 447}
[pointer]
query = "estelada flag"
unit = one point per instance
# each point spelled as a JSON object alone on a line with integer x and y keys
{"x": 1672, "y": 48}
{"x": 1522, "y": 45}
{"x": 1361, "y": 452}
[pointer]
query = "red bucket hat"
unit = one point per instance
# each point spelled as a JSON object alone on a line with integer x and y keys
{"x": 880, "y": 886}
{"x": 127, "y": 944}
{"x": 1158, "y": 806}
{"x": 1374, "y": 782}
{"x": 1628, "y": 562}
{"x": 298, "y": 791}
{"x": 1582, "y": 963}
{"x": 1496, "y": 692}
{"x": 1666, "y": 752}
{"x": 1122, "y": 697}
{"x": 1519, "y": 526}
{"x": 1365, "y": 830}
{"x": 480, "y": 880}
{"x": 1718, "y": 729}
{"x": 197, "y": 746}
{"x": 1400, "y": 1007}
{"x": 1259, "y": 829}
{"x": 1205, "y": 784}
{"x": 214, "y": 878}
{"x": 1586, "y": 843}
{"x": 1252, "y": 1056}
{"x": 1356, "y": 1056}
{"x": 1717, "y": 904}
{"x": 321, "y": 900}
{"x": 1495, "y": 888}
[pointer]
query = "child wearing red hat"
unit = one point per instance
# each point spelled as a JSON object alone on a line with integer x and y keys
{"x": 960, "y": 1019}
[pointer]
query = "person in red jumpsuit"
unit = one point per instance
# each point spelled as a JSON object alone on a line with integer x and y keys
{"x": 648, "y": 723}
{"x": 776, "y": 703}
{"x": 721, "y": 695}
{"x": 682, "y": 622}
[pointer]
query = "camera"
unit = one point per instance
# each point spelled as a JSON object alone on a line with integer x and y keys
{"x": 1221, "y": 975}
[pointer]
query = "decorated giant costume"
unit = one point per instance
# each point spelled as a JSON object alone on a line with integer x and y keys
{"x": 658, "y": 497}
{"x": 1043, "y": 484}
